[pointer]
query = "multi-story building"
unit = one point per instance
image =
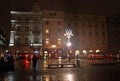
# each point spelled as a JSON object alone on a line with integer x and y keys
{"x": 42, "y": 32}
{"x": 90, "y": 31}
{"x": 114, "y": 33}
{"x": 4, "y": 43}
{"x": 26, "y": 31}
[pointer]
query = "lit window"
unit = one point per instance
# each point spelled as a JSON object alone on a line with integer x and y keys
{"x": 47, "y": 31}
{"x": 53, "y": 46}
{"x": 59, "y": 41}
{"x": 47, "y": 41}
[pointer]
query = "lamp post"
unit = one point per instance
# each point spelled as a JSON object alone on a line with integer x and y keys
{"x": 68, "y": 34}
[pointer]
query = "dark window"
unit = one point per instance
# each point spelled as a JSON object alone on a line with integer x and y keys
{"x": 59, "y": 30}
{"x": 83, "y": 24}
{"x": 18, "y": 28}
{"x": 90, "y": 33}
{"x": 103, "y": 25}
{"x": 69, "y": 24}
{"x": 89, "y": 24}
{"x": 59, "y": 23}
{"x": 46, "y": 22}
{"x": 96, "y": 33}
{"x": 26, "y": 29}
{"x": 76, "y": 16}
{"x": 76, "y": 33}
{"x": 96, "y": 17}
{"x": 103, "y": 33}
{"x": 83, "y": 33}
{"x": 76, "y": 24}
{"x": 50, "y": 14}
{"x": 95, "y": 25}
{"x": 54, "y": 14}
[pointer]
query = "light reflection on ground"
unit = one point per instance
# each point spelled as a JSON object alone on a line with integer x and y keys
{"x": 24, "y": 72}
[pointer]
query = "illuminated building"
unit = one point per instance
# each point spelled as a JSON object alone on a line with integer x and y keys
{"x": 41, "y": 32}
{"x": 90, "y": 32}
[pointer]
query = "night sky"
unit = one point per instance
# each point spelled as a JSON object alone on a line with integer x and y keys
{"x": 96, "y": 6}
{"x": 82, "y": 6}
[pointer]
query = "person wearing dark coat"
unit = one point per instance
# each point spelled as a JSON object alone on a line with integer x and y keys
{"x": 34, "y": 60}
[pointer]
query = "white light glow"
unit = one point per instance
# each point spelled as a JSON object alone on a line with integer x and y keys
{"x": 97, "y": 51}
{"x": 69, "y": 44}
{"x": 69, "y": 77}
{"x": 53, "y": 46}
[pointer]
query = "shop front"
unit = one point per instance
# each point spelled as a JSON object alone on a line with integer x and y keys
{"x": 50, "y": 53}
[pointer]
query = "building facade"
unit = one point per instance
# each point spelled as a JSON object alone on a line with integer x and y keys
{"x": 90, "y": 32}
{"x": 114, "y": 33}
{"x": 4, "y": 43}
{"x": 41, "y": 32}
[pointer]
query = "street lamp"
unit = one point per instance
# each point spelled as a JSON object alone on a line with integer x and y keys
{"x": 68, "y": 34}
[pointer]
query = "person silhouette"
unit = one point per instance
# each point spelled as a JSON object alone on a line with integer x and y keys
{"x": 34, "y": 60}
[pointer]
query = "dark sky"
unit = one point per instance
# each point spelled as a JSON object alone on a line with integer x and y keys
{"x": 4, "y": 13}
{"x": 83, "y": 6}
{"x": 96, "y": 6}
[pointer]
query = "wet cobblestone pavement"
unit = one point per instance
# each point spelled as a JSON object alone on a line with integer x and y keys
{"x": 86, "y": 72}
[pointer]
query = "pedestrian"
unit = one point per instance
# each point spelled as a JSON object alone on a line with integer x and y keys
{"x": 69, "y": 59}
{"x": 34, "y": 60}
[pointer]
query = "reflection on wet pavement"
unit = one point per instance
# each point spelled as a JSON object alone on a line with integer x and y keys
{"x": 24, "y": 72}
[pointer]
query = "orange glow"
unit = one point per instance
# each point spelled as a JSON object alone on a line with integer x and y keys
{"x": 47, "y": 41}
{"x": 47, "y": 31}
{"x": 53, "y": 46}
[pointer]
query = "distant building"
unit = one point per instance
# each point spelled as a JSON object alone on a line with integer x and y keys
{"x": 42, "y": 32}
{"x": 90, "y": 31}
{"x": 4, "y": 43}
{"x": 114, "y": 34}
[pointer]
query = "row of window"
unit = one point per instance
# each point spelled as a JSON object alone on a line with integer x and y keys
{"x": 31, "y": 17}
{"x": 3, "y": 38}
{"x": 48, "y": 22}
{"x": 47, "y": 31}
{"x": 37, "y": 17}
{"x": 47, "y": 42}
{"x": 77, "y": 33}
{"x": 90, "y": 33}
{"x": 79, "y": 24}
{"x": 27, "y": 18}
